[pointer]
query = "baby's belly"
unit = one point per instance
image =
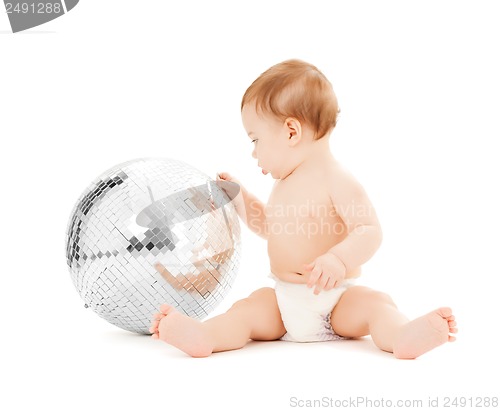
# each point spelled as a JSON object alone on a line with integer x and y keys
{"x": 293, "y": 244}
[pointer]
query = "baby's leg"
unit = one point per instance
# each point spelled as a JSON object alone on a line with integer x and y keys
{"x": 256, "y": 317}
{"x": 362, "y": 311}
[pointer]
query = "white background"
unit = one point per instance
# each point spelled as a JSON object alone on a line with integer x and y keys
{"x": 114, "y": 80}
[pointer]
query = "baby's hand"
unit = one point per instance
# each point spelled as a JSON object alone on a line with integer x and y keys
{"x": 232, "y": 190}
{"x": 326, "y": 272}
{"x": 227, "y": 177}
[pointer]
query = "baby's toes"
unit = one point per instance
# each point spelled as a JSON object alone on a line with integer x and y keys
{"x": 154, "y": 326}
{"x": 166, "y": 309}
{"x": 446, "y": 313}
{"x": 452, "y": 325}
{"x": 158, "y": 316}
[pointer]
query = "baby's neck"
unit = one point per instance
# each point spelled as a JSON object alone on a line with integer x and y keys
{"x": 318, "y": 149}
{"x": 316, "y": 154}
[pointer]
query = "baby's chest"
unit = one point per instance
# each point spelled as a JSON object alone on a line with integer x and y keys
{"x": 311, "y": 202}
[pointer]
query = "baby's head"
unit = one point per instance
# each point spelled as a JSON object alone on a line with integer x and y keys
{"x": 296, "y": 89}
{"x": 291, "y": 103}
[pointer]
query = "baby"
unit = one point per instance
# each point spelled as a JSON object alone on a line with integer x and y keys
{"x": 320, "y": 228}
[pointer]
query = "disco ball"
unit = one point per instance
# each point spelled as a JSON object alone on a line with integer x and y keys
{"x": 151, "y": 231}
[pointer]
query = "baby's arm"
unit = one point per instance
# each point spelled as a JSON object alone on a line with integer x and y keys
{"x": 249, "y": 208}
{"x": 363, "y": 236}
{"x": 357, "y": 212}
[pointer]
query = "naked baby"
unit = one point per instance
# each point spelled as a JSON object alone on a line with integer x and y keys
{"x": 320, "y": 227}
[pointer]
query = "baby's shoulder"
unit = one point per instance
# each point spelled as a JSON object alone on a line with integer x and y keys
{"x": 335, "y": 172}
{"x": 342, "y": 184}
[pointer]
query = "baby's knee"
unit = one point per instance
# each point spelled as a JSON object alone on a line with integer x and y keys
{"x": 257, "y": 297}
{"x": 379, "y": 297}
{"x": 266, "y": 293}
{"x": 241, "y": 305}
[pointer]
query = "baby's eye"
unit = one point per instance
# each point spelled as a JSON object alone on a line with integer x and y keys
{"x": 253, "y": 141}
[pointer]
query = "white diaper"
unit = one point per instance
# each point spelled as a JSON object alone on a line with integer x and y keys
{"x": 306, "y": 316}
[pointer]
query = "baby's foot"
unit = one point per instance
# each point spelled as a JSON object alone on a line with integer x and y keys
{"x": 181, "y": 331}
{"x": 156, "y": 322}
{"x": 425, "y": 333}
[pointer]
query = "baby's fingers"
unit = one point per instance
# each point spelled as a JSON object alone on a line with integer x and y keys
{"x": 224, "y": 176}
{"x": 330, "y": 285}
{"x": 315, "y": 274}
{"x": 319, "y": 285}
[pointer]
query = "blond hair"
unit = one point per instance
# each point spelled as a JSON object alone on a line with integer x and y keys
{"x": 296, "y": 89}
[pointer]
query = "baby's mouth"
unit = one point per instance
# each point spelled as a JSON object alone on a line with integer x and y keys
{"x": 265, "y": 172}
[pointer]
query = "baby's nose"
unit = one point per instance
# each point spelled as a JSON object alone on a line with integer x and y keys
{"x": 254, "y": 153}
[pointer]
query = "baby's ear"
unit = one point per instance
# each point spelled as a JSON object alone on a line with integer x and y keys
{"x": 293, "y": 130}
